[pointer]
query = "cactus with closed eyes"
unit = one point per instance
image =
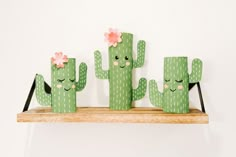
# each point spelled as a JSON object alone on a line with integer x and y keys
{"x": 175, "y": 96}
{"x": 64, "y": 86}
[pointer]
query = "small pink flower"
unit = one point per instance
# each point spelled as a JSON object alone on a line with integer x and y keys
{"x": 59, "y": 59}
{"x": 113, "y": 37}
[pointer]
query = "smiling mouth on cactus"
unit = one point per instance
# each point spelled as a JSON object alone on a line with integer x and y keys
{"x": 172, "y": 90}
{"x": 122, "y": 66}
{"x": 67, "y": 89}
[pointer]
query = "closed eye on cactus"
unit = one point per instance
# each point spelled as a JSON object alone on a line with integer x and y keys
{"x": 167, "y": 80}
{"x": 60, "y": 80}
{"x": 72, "y": 80}
{"x": 179, "y": 81}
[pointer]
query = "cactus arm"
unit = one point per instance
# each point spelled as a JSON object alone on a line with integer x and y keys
{"x": 43, "y": 98}
{"x": 141, "y": 55}
{"x": 155, "y": 96}
{"x": 140, "y": 92}
{"x": 82, "y": 77}
{"x": 196, "y": 73}
{"x": 100, "y": 73}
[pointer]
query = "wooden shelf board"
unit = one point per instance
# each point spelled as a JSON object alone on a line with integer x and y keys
{"x": 103, "y": 114}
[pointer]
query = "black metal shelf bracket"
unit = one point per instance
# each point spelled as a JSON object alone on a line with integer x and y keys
{"x": 31, "y": 92}
{"x": 191, "y": 85}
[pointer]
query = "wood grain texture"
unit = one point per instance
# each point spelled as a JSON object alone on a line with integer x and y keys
{"x": 102, "y": 115}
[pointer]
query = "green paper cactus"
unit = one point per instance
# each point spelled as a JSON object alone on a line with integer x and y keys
{"x": 121, "y": 64}
{"x": 63, "y": 87}
{"x": 175, "y": 96}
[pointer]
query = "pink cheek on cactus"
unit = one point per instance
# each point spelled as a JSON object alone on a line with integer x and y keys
{"x": 59, "y": 86}
{"x": 127, "y": 63}
{"x": 115, "y": 63}
{"x": 73, "y": 86}
{"x": 165, "y": 86}
{"x": 180, "y": 87}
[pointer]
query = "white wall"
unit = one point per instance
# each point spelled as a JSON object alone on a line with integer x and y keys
{"x": 31, "y": 31}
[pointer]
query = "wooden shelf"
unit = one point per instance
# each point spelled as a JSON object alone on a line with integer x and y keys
{"x": 101, "y": 114}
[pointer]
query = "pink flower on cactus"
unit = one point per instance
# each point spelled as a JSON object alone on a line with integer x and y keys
{"x": 59, "y": 59}
{"x": 113, "y": 37}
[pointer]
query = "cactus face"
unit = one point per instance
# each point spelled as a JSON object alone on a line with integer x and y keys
{"x": 175, "y": 96}
{"x": 121, "y": 64}
{"x": 63, "y": 81}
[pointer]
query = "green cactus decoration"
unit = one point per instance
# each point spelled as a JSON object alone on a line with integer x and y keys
{"x": 64, "y": 87}
{"x": 121, "y": 64}
{"x": 175, "y": 96}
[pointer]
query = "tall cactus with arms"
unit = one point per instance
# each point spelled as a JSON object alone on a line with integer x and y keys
{"x": 175, "y": 96}
{"x": 64, "y": 85}
{"x": 121, "y": 64}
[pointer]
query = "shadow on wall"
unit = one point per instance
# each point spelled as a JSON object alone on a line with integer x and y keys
{"x": 126, "y": 140}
